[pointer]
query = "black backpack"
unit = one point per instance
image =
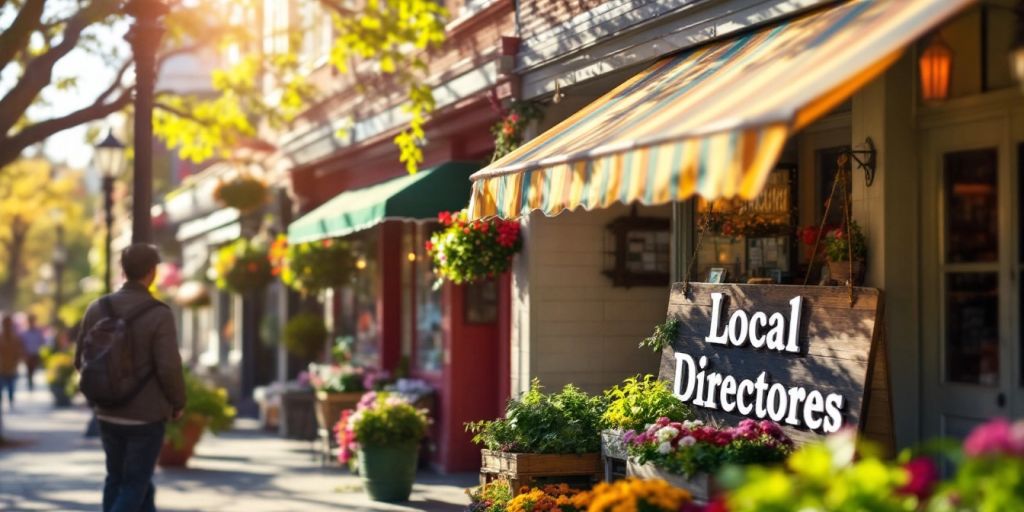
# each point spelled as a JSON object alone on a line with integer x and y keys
{"x": 108, "y": 375}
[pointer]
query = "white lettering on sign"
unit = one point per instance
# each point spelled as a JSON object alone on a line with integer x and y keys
{"x": 697, "y": 384}
{"x": 742, "y": 329}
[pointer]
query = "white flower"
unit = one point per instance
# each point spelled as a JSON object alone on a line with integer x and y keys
{"x": 692, "y": 423}
{"x": 666, "y": 434}
{"x": 688, "y": 441}
{"x": 665, "y": 448}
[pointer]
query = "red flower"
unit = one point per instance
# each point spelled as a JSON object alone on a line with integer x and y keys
{"x": 326, "y": 242}
{"x": 924, "y": 473}
{"x": 429, "y": 245}
{"x": 508, "y": 129}
{"x": 445, "y": 218}
{"x": 513, "y": 117}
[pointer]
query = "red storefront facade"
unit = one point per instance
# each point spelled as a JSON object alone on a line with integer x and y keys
{"x": 454, "y": 337}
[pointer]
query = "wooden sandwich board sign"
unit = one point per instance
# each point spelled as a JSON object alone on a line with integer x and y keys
{"x": 802, "y": 356}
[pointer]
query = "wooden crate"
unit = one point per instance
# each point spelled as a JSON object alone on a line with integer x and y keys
{"x": 523, "y": 469}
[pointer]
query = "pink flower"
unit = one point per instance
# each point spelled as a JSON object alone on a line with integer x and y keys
{"x": 924, "y": 473}
{"x": 990, "y": 438}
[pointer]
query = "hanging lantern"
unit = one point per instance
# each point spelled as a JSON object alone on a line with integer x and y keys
{"x": 934, "y": 66}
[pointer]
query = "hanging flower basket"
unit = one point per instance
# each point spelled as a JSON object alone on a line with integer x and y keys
{"x": 509, "y": 132}
{"x": 244, "y": 192}
{"x": 466, "y": 252}
{"x": 242, "y": 267}
{"x": 315, "y": 266}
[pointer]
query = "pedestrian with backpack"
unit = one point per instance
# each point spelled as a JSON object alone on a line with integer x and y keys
{"x": 127, "y": 354}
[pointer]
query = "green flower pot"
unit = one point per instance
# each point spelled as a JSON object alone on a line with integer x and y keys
{"x": 388, "y": 472}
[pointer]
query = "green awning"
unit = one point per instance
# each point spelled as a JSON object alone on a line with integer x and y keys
{"x": 419, "y": 196}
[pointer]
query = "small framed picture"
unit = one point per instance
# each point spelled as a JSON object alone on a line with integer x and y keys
{"x": 716, "y": 275}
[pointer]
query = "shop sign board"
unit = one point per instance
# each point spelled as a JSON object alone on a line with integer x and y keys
{"x": 801, "y": 356}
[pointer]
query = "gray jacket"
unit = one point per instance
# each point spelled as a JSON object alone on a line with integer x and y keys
{"x": 156, "y": 346}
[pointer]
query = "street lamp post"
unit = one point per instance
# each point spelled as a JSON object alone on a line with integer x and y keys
{"x": 109, "y": 160}
{"x": 60, "y": 259}
{"x": 144, "y": 36}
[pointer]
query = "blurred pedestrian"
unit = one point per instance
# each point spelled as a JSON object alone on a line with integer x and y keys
{"x": 34, "y": 341}
{"x": 12, "y": 352}
{"x": 132, "y": 412}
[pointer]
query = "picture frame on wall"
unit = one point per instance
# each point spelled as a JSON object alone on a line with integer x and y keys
{"x": 717, "y": 275}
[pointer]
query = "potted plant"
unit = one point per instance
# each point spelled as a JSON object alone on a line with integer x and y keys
{"x": 489, "y": 497}
{"x": 466, "y": 252}
{"x": 688, "y": 453}
{"x": 840, "y": 244}
{"x": 206, "y": 408}
{"x": 60, "y": 376}
{"x": 385, "y": 431}
{"x": 304, "y": 335}
{"x": 245, "y": 192}
{"x": 633, "y": 405}
{"x": 338, "y": 387}
{"x": 243, "y": 267}
{"x": 542, "y": 435}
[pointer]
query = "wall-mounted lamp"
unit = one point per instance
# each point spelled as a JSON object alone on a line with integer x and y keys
{"x": 559, "y": 95}
{"x": 1017, "y": 51}
{"x": 934, "y": 68}
{"x": 866, "y": 156}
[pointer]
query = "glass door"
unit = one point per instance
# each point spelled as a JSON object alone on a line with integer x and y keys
{"x": 968, "y": 260}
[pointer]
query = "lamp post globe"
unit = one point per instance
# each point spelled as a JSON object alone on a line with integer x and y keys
{"x": 109, "y": 156}
{"x": 109, "y": 160}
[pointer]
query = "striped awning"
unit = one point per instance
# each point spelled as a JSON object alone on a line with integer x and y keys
{"x": 709, "y": 121}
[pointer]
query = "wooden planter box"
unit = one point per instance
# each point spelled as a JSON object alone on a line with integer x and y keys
{"x": 330, "y": 405}
{"x": 700, "y": 486}
{"x": 298, "y": 416}
{"x": 522, "y": 469}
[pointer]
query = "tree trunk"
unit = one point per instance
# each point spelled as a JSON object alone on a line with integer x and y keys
{"x": 9, "y": 286}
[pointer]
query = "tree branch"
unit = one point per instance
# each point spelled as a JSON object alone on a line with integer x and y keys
{"x": 39, "y": 71}
{"x": 11, "y": 148}
{"x": 15, "y": 38}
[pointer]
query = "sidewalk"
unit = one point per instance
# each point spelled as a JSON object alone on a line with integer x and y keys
{"x": 48, "y": 465}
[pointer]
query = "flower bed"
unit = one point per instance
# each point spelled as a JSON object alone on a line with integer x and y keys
{"x": 625, "y": 495}
{"x": 693, "y": 451}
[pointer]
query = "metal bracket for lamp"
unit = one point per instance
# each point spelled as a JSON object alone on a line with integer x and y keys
{"x": 865, "y": 159}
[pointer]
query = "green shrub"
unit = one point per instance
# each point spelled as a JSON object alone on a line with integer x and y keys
{"x": 564, "y": 422}
{"x": 637, "y": 402}
{"x": 204, "y": 401}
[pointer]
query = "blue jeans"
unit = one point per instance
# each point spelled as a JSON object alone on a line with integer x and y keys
{"x": 7, "y": 382}
{"x": 131, "y": 451}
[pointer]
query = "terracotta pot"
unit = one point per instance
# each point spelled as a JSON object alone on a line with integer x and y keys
{"x": 177, "y": 457}
{"x": 839, "y": 272}
{"x": 330, "y": 405}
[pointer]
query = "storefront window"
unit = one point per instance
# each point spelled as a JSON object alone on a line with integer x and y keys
{"x": 358, "y": 303}
{"x": 972, "y": 219}
{"x": 972, "y": 328}
{"x": 971, "y": 259}
{"x": 750, "y": 240}
{"x": 429, "y": 312}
